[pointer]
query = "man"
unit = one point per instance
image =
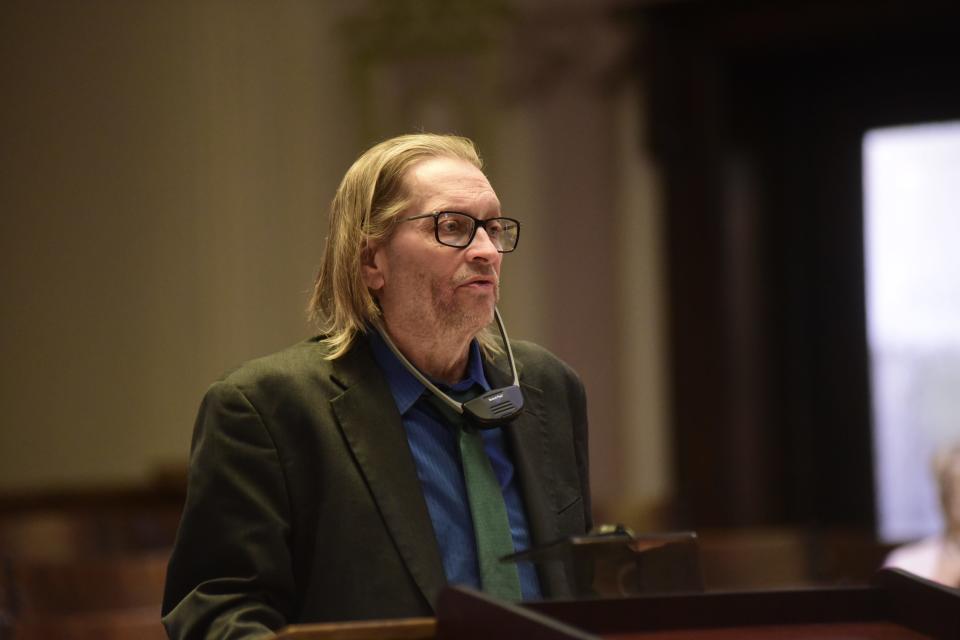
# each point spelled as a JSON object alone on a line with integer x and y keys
{"x": 326, "y": 482}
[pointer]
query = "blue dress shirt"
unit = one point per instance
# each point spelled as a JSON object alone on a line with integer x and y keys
{"x": 437, "y": 458}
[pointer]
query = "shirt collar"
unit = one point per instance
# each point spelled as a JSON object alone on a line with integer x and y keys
{"x": 405, "y": 388}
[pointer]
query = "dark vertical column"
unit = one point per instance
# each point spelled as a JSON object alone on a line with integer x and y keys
{"x": 685, "y": 85}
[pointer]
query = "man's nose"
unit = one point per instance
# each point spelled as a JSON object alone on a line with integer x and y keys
{"x": 482, "y": 246}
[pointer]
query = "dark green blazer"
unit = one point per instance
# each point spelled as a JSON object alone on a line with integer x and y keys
{"x": 304, "y": 504}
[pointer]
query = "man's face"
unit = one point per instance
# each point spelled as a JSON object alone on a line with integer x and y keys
{"x": 427, "y": 289}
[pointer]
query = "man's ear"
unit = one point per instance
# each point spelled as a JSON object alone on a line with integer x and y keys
{"x": 371, "y": 268}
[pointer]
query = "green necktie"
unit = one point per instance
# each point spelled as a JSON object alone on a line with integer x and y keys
{"x": 491, "y": 527}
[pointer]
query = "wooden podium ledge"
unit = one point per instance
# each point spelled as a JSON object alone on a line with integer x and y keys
{"x": 897, "y": 606}
{"x": 398, "y": 629}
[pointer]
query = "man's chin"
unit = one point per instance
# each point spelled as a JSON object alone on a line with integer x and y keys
{"x": 483, "y": 311}
{"x": 472, "y": 319}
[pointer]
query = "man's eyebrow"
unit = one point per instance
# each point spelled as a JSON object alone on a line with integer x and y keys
{"x": 463, "y": 208}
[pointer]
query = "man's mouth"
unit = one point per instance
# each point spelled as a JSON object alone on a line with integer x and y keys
{"x": 479, "y": 282}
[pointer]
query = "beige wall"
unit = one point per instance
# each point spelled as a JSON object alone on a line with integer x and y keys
{"x": 165, "y": 172}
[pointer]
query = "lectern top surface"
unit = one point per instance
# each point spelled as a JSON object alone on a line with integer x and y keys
{"x": 835, "y": 631}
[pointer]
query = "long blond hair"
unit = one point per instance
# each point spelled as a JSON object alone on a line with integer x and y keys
{"x": 366, "y": 208}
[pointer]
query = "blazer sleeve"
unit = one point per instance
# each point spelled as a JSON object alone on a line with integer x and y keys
{"x": 230, "y": 574}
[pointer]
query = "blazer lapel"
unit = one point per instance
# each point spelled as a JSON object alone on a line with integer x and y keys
{"x": 530, "y": 445}
{"x": 372, "y": 428}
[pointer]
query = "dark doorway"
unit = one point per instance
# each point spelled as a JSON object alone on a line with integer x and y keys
{"x": 757, "y": 113}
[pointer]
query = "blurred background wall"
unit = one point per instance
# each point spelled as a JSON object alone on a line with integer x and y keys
{"x": 166, "y": 170}
{"x": 688, "y": 173}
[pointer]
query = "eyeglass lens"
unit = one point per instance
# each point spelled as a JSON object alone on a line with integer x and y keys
{"x": 457, "y": 230}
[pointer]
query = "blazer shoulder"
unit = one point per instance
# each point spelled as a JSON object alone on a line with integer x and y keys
{"x": 307, "y": 354}
{"x": 290, "y": 368}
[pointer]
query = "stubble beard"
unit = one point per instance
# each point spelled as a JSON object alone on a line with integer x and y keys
{"x": 436, "y": 313}
{"x": 461, "y": 317}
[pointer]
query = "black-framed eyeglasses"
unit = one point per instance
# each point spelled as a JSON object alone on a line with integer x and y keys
{"x": 456, "y": 229}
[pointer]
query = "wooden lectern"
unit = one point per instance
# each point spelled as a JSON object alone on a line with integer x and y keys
{"x": 897, "y": 606}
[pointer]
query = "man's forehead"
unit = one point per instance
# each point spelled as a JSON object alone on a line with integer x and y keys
{"x": 438, "y": 181}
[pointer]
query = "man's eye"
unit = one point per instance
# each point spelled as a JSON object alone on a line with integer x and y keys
{"x": 494, "y": 227}
{"x": 450, "y": 226}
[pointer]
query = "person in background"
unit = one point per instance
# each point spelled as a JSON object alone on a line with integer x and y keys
{"x": 938, "y": 557}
